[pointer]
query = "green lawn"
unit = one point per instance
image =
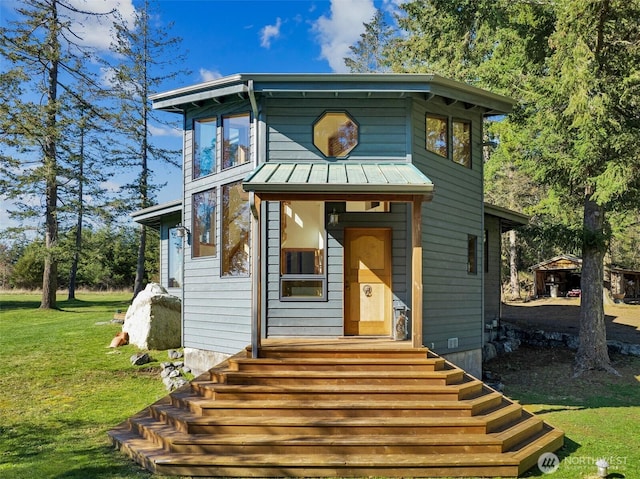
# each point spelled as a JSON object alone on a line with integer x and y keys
{"x": 62, "y": 388}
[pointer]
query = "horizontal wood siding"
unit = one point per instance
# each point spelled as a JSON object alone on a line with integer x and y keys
{"x": 492, "y": 284}
{"x": 325, "y": 318}
{"x": 382, "y": 128}
{"x": 452, "y": 298}
{"x": 217, "y": 310}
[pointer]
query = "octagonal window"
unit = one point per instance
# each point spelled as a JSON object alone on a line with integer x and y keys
{"x": 335, "y": 134}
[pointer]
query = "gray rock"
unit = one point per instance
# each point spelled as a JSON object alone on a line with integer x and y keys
{"x": 173, "y": 354}
{"x": 139, "y": 359}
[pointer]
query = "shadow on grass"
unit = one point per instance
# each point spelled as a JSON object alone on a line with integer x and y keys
{"x": 14, "y": 304}
{"x": 76, "y": 305}
{"x": 570, "y": 447}
{"x": 37, "y": 450}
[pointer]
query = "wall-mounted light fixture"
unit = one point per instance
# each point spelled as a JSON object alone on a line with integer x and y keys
{"x": 334, "y": 218}
{"x": 182, "y": 230}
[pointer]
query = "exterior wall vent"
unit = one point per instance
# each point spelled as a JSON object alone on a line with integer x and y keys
{"x": 452, "y": 343}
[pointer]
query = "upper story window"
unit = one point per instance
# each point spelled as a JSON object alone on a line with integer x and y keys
{"x": 461, "y": 144}
{"x": 204, "y": 224}
{"x": 439, "y": 138}
{"x": 236, "y": 135}
{"x": 438, "y": 135}
{"x": 335, "y": 134}
{"x": 205, "y": 132}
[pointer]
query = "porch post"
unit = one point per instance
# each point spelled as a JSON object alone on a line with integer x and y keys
{"x": 256, "y": 292}
{"x": 416, "y": 272}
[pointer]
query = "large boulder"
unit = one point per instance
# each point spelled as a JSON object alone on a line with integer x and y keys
{"x": 153, "y": 319}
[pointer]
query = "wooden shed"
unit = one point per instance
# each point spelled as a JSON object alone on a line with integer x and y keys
{"x": 557, "y": 276}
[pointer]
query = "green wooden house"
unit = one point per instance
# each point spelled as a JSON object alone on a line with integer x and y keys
{"x": 341, "y": 212}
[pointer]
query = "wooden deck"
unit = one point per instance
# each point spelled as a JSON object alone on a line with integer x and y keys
{"x": 336, "y": 408}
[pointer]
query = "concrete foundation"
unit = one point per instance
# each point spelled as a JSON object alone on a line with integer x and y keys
{"x": 200, "y": 361}
{"x": 470, "y": 361}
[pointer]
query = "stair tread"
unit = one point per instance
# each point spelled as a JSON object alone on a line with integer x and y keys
{"x": 329, "y": 460}
{"x": 365, "y": 388}
{"x": 342, "y": 360}
{"x": 347, "y": 374}
{"x": 350, "y": 403}
{"x": 320, "y": 420}
{"x": 178, "y": 437}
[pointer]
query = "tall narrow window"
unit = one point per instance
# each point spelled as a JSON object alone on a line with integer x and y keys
{"x": 236, "y": 133}
{"x": 437, "y": 135}
{"x": 462, "y": 143}
{"x": 486, "y": 251}
{"x": 236, "y": 227}
{"x": 204, "y": 147}
{"x": 472, "y": 254}
{"x": 204, "y": 223}
{"x": 175, "y": 259}
{"x": 302, "y": 250}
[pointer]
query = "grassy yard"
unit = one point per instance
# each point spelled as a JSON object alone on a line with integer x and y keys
{"x": 62, "y": 388}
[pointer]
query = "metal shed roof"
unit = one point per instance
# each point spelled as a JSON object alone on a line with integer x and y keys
{"x": 339, "y": 178}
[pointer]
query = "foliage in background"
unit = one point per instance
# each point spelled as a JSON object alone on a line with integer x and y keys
{"x": 107, "y": 260}
{"x": 574, "y": 134}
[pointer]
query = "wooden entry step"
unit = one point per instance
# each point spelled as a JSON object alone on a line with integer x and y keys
{"x": 337, "y": 364}
{"x": 318, "y": 411}
{"x": 368, "y": 407}
{"x": 301, "y": 377}
{"x": 322, "y": 392}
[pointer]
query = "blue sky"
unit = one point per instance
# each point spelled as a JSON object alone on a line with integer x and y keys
{"x": 224, "y": 37}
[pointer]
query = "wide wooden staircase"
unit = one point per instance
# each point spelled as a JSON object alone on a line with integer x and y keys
{"x": 336, "y": 410}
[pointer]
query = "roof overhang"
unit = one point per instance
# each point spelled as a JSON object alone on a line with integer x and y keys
{"x": 345, "y": 84}
{"x": 509, "y": 219}
{"x": 152, "y": 216}
{"x": 340, "y": 181}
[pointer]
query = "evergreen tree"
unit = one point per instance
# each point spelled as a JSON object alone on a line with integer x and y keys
{"x": 367, "y": 55}
{"x": 146, "y": 51}
{"x": 574, "y": 67}
{"x": 42, "y": 52}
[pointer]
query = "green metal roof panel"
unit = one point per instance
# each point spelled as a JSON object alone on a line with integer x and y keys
{"x": 343, "y": 177}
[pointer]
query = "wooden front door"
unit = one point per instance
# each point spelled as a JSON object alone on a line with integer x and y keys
{"x": 367, "y": 293}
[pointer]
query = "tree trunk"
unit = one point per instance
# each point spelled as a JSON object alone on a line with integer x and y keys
{"x": 139, "y": 281}
{"x": 592, "y": 350}
{"x": 78, "y": 245}
{"x": 513, "y": 266}
{"x": 50, "y": 274}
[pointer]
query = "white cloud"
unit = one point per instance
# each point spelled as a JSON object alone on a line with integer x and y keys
{"x": 164, "y": 131}
{"x": 270, "y": 32}
{"x": 209, "y": 75}
{"x": 95, "y": 30}
{"x": 341, "y": 29}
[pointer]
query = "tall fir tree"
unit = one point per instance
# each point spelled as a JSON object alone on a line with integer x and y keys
{"x": 574, "y": 67}
{"x": 44, "y": 56}
{"x": 367, "y": 55}
{"x": 148, "y": 55}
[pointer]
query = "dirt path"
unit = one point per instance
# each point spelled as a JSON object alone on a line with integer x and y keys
{"x": 562, "y": 315}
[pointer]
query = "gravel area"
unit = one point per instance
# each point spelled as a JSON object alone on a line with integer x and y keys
{"x": 563, "y": 315}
